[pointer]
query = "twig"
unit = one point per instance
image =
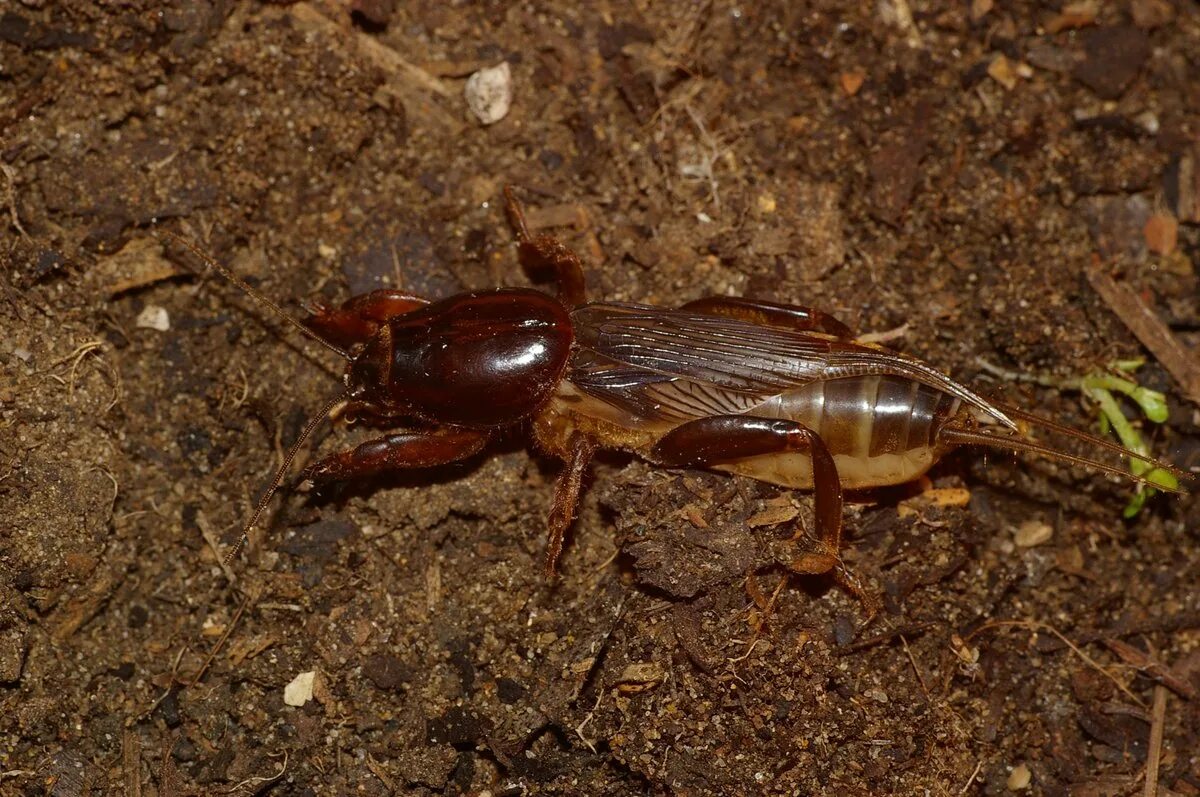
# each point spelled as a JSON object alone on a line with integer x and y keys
{"x": 12, "y": 200}
{"x": 259, "y": 781}
{"x": 970, "y": 780}
{"x": 131, "y": 763}
{"x": 168, "y": 776}
{"x": 916, "y": 669}
{"x": 1152, "y": 667}
{"x": 586, "y": 720}
{"x": 1142, "y": 320}
{"x": 1035, "y": 625}
{"x": 378, "y": 771}
{"x": 1158, "y": 718}
{"x": 212, "y": 654}
{"x": 885, "y": 336}
{"x": 210, "y": 537}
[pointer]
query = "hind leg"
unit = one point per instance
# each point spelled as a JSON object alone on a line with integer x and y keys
{"x": 723, "y": 439}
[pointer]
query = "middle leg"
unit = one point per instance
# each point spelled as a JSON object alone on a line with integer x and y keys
{"x": 580, "y": 449}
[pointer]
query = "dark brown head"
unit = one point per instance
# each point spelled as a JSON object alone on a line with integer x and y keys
{"x": 479, "y": 360}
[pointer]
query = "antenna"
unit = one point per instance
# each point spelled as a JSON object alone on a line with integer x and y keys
{"x": 279, "y": 474}
{"x": 252, "y": 292}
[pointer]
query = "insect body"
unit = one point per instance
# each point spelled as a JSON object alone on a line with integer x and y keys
{"x": 779, "y": 393}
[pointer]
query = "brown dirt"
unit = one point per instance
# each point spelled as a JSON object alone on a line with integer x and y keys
{"x": 687, "y": 149}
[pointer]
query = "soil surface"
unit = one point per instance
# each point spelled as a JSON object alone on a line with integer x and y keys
{"x": 948, "y": 174}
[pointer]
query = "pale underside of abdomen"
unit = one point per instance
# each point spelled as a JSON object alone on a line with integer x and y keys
{"x": 880, "y": 429}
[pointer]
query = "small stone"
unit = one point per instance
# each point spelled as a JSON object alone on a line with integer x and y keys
{"x": 1115, "y": 56}
{"x": 1032, "y": 533}
{"x": 300, "y": 690}
{"x": 489, "y": 93}
{"x": 154, "y": 317}
{"x": 766, "y": 203}
{"x": 1052, "y": 58}
{"x": 1162, "y": 233}
{"x": 1019, "y": 778}
{"x": 1148, "y": 121}
{"x": 386, "y": 671}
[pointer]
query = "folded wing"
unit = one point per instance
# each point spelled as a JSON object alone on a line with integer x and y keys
{"x": 673, "y": 365}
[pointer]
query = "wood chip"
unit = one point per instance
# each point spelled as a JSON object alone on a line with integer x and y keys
{"x": 1152, "y": 667}
{"x": 139, "y": 264}
{"x": 640, "y": 676}
{"x": 1161, "y": 233}
{"x": 1181, "y": 186}
{"x": 1074, "y": 15}
{"x": 1001, "y": 70}
{"x": 937, "y": 496}
{"x": 852, "y": 81}
{"x": 1158, "y": 721}
{"x": 776, "y": 511}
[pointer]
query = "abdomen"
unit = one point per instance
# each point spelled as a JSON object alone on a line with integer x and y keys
{"x": 880, "y": 429}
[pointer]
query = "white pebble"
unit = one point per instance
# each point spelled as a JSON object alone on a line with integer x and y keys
{"x": 154, "y": 317}
{"x": 1019, "y": 778}
{"x": 300, "y": 690}
{"x": 1033, "y": 532}
{"x": 489, "y": 93}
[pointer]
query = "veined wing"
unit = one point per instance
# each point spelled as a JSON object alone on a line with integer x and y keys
{"x": 676, "y": 364}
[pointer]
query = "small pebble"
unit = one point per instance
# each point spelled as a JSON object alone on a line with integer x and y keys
{"x": 1148, "y": 121}
{"x": 489, "y": 93}
{"x": 1033, "y": 532}
{"x": 154, "y": 317}
{"x": 878, "y": 695}
{"x": 1019, "y": 778}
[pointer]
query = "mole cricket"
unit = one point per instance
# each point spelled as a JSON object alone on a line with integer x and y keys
{"x": 780, "y": 393}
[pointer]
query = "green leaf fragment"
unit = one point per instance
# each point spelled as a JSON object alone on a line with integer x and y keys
{"x": 1099, "y": 386}
{"x": 1136, "y": 502}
